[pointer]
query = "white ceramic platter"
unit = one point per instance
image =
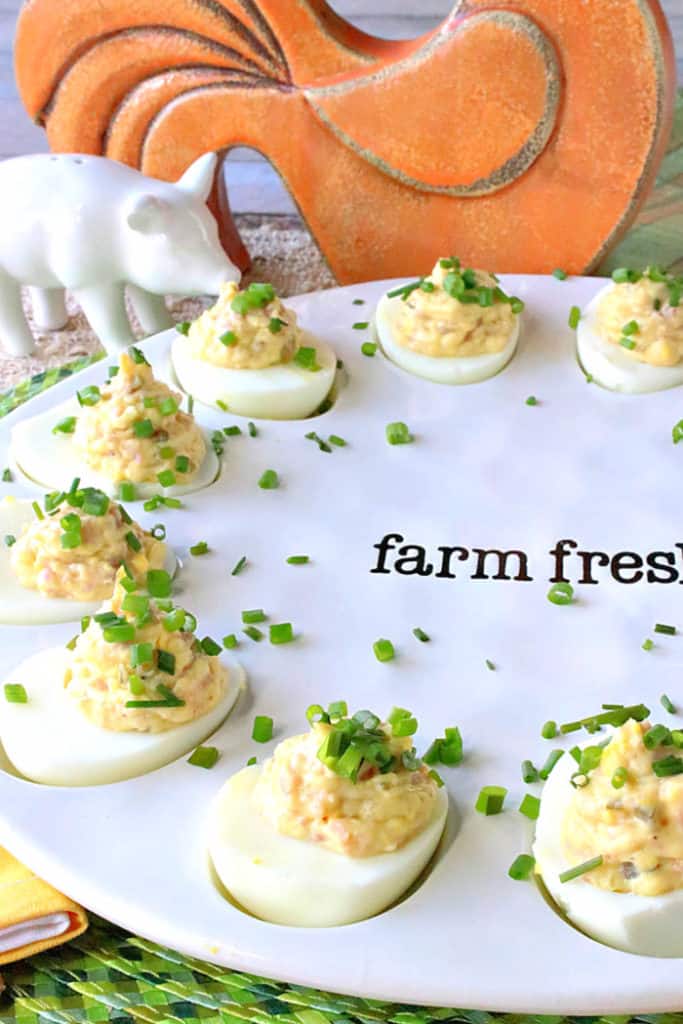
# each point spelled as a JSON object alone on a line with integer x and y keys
{"x": 486, "y": 470}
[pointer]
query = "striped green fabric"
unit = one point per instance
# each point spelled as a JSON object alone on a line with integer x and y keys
{"x": 110, "y": 976}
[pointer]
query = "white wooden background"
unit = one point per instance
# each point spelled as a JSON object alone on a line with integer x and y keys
{"x": 254, "y": 186}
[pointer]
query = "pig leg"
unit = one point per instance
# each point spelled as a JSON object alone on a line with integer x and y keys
{"x": 150, "y": 310}
{"x": 49, "y": 308}
{"x": 15, "y": 333}
{"x": 105, "y": 308}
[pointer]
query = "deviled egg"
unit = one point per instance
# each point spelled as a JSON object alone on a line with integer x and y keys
{"x": 630, "y": 337}
{"x": 134, "y": 691}
{"x": 456, "y": 326}
{"x": 609, "y": 840}
{"x": 248, "y": 355}
{"x": 129, "y": 438}
{"x": 333, "y": 828}
{"x": 60, "y": 563}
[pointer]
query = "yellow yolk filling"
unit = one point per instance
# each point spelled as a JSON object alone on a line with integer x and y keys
{"x": 659, "y": 338}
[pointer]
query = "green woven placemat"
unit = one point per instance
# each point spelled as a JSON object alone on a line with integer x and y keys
{"x": 110, "y": 976}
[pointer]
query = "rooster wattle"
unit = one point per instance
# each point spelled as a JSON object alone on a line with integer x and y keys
{"x": 521, "y": 134}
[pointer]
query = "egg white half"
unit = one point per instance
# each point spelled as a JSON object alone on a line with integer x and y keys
{"x": 50, "y": 459}
{"x": 20, "y": 606}
{"x": 294, "y": 882}
{"x": 648, "y": 925}
{"x": 49, "y": 740}
{"x": 612, "y": 366}
{"x": 440, "y": 369}
{"x": 283, "y": 392}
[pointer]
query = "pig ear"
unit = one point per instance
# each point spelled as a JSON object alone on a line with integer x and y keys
{"x": 198, "y": 178}
{"x": 148, "y": 214}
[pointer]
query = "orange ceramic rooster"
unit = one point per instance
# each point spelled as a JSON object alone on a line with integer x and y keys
{"x": 521, "y": 134}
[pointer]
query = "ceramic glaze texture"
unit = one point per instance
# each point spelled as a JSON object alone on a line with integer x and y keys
{"x": 94, "y": 225}
{"x": 507, "y": 134}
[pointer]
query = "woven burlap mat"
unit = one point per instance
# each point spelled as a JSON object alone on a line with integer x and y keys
{"x": 282, "y": 252}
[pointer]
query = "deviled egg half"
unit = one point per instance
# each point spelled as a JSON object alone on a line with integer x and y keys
{"x": 247, "y": 354}
{"x": 334, "y": 827}
{"x": 59, "y": 562}
{"x": 609, "y": 840}
{"x": 456, "y": 326}
{"x": 630, "y": 337}
{"x": 129, "y": 438}
{"x": 134, "y": 691}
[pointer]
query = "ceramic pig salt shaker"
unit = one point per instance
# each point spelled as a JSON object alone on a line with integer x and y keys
{"x": 97, "y": 227}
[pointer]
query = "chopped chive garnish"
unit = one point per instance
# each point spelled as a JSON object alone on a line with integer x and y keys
{"x": 647, "y": 644}
{"x": 552, "y": 759}
{"x": 201, "y": 548}
{"x": 65, "y": 426}
{"x": 369, "y": 348}
{"x": 581, "y": 869}
{"x": 628, "y": 343}
{"x": 338, "y": 441}
{"x": 398, "y": 433}
{"x": 490, "y": 665}
{"x": 204, "y": 757}
{"x": 7, "y": 475}
{"x": 132, "y": 541}
{"x": 10, "y": 539}
{"x": 322, "y": 445}
{"x": 182, "y": 463}
{"x": 223, "y": 406}
{"x": 143, "y": 428}
{"x": 574, "y": 317}
{"x": 230, "y": 641}
{"x": 190, "y": 404}
{"x": 262, "y": 731}
{"x": 269, "y": 480}
{"x": 359, "y": 302}
{"x": 89, "y": 395}
{"x": 549, "y": 730}
{"x": 136, "y": 685}
{"x": 657, "y": 736}
{"x": 37, "y": 510}
{"x": 561, "y": 593}
{"x": 529, "y": 773}
{"x": 661, "y": 627}
{"x": 158, "y": 531}
{"x": 384, "y": 650}
{"x": 667, "y": 704}
{"x": 614, "y": 716}
{"x": 141, "y": 654}
{"x": 251, "y": 427}
{"x": 166, "y": 478}
{"x": 159, "y": 583}
{"x": 232, "y": 431}
{"x": 559, "y": 274}
{"x": 516, "y": 305}
{"x": 531, "y": 400}
{"x": 183, "y": 327}
{"x": 677, "y": 432}
{"x": 228, "y": 338}
{"x": 136, "y": 604}
{"x": 174, "y": 621}
{"x": 168, "y": 406}
{"x": 239, "y": 566}
{"x": 251, "y": 761}
{"x": 624, "y": 275}
{"x": 530, "y": 806}
{"x": 298, "y": 560}
{"x": 435, "y": 777}
{"x": 619, "y": 778}
{"x": 281, "y": 633}
{"x": 632, "y": 327}
{"x": 149, "y": 402}
{"x": 126, "y": 491}
{"x": 420, "y": 635}
{"x": 253, "y": 615}
{"x": 306, "y": 358}
{"x": 119, "y": 633}
{"x": 254, "y": 633}
{"x": 491, "y": 800}
{"x": 166, "y": 662}
{"x": 361, "y": 325}
{"x": 15, "y": 693}
{"x": 666, "y": 766}
{"x": 210, "y": 647}
{"x": 523, "y": 865}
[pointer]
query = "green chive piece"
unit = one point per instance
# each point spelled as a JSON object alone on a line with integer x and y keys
{"x": 126, "y": 491}
{"x": 561, "y": 593}
{"x": 516, "y": 305}
{"x": 523, "y": 865}
{"x": 7, "y": 476}
{"x": 159, "y": 583}
{"x": 398, "y": 433}
{"x": 647, "y": 644}
{"x": 677, "y": 432}
{"x": 661, "y": 627}
{"x": 531, "y": 400}
{"x": 491, "y": 800}
{"x": 574, "y": 317}
{"x": 228, "y": 338}
{"x": 677, "y": 738}
{"x": 338, "y": 441}
{"x": 490, "y": 665}
{"x": 281, "y": 633}
{"x": 168, "y": 406}
{"x": 141, "y": 654}
{"x": 183, "y": 327}
{"x": 359, "y": 302}
{"x": 384, "y": 650}
{"x": 190, "y": 404}
{"x": 530, "y": 806}
{"x": 628, "y": 343}
{"x": 10, "y": 539}
{"x": 251, "y": 761}
{"x": 269, "y": 480}
{"x": 559, "y": 274}
{"x": 210, "y": 647}
{"x": 182, "y": 463}
{"x": 657, "y": 736}
{"x": 166, "y": 478}
{"x": 239, "y": 566}
{"x": 580, "y": 869}
{"x": 254, "y": 633}
{"x": 174, "y": 621}
{"x": 166, "y": 662}
{"x": 232, "y": 431}
{"x": 666, "y": 766}
{"x": 619, "y": 778}
{"x": 253, "y": 615}
{"x": 37, "y": 510}
{"x": 201, "y": 548}
{"x": 632, "y": 327}
{"x": 262, "y": 730}
{"x": 306, "y": 358}
{"x": 136, "y": 685}
{"x": 65, "y": 426}
{"x": 143, "y": 428}
{"x": 615, "y": 716}
{"x": 361, "y": 325}
{"x": 298, "y": 560}
{"x": 667, "y": 704}
{"x": 420, "y": 635}
{"x": 549, "y": 730}
{"x": 552, "y": 759}
{"x": 89, "y": 395}
{"x": 204, "y": 757}
{"x": 230, "y": 641}
{"x": 369, "y": 348}
{"x": 119, "y": 633}
{"x": 132, "y": 541}
{"x": 251, "y": 427}
{"x": 529, "y": 773}
{"x": 15, "y": 693}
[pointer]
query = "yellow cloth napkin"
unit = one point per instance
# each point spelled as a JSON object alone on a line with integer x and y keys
{"x": 33, "y": 915}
